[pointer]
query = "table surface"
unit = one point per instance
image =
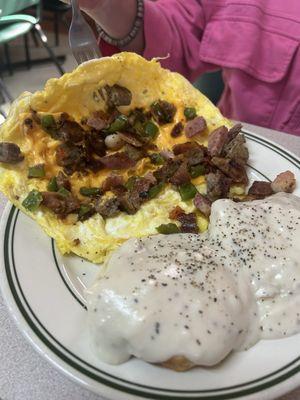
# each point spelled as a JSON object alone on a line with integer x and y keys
{"x": 25, "y": 375}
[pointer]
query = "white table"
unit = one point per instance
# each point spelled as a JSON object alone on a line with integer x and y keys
{"x": 25, "y": 375}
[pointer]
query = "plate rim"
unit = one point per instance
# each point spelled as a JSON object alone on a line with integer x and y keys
{"x": 78, "y": 376}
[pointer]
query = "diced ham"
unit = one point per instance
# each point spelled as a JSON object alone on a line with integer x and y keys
{"x": 284, "y": 182}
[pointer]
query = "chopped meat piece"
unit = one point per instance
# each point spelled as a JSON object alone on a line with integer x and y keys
{"x": 133, "y": 153}
{"x": 10, "y": 153}
{"x": 260, "y": 189}
{"x": 131, "y": 138}
{"x": 133, "y": 199}
{"x": 111, "y": 182}
{"x": 284, "y": 182}
{"x": 203, "y": 204}
{"x": 95, "y": 164}
{"x": 137, "y": 115}
{"x": 119, "y": 160}
{"x": 73, "y": 158}
{"x": 59, "y": 204}
{"x": 231, "y": 168}
{"x": 188, "y": 223}
{"x": 70, "y": 131}
{"x": 236, "y": 150}
{"x": 108, "y": 208}
{"x": 164, "y": 173}
{"x": 116, "y": 95}
{"x": 193, "y": 152}
{"x": 234, "y": 131}
{"x": 163, "y": 112}
{"x": 195, "y": 127}
{"x": 181, "y": 176}
{"x": 217, "y": 140}
{"x": 95, "y": 144}
{"x": 177, "y": 130}
{"x": 97, "y": 121}
{"x": 196, "y": 156}
{"x": 184, "y": 147}
{"x": 63, "y": 181}
{"x": 28, "y": 124}
{"x": 218, "y": 185}
{"x": 176, "y": 212}
{"x": 166, "y": 154}
{"x": 150, "y": 178}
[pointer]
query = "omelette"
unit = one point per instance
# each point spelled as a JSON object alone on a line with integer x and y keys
{"x": 117, "y": 149}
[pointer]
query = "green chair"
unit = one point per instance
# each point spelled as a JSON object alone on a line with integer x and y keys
{"x": 14, "y": 24}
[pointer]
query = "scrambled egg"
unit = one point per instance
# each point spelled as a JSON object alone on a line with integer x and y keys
{"x": 77, "y": 94}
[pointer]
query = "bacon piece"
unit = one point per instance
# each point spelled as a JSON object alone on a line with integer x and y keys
{"x": 260, "y": 189}
{"x": 119, "y": 160}
{"x": 203, "y": 204}
{"x": 217, "y": 185}
{"x": 131, "y": 139}
{"x": 181, "y": 176}
{"x": 195, "y": 127}
{"x": 217, "y": 140}
{"x": 284, "y": 182}
{"x": 231, "y": 168}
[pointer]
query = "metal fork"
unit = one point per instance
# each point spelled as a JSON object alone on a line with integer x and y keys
{"x": 81, "y": 37}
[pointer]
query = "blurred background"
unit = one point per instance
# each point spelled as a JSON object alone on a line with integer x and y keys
{"x": 34, "y": 47}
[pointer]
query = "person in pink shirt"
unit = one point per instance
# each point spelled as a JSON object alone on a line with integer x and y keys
{"x": 256, "y": 44}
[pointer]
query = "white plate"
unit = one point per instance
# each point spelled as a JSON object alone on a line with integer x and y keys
{"x": 44, "y": 292}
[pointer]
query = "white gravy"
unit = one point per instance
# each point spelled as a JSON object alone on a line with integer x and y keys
{"x": 202, "y": 296}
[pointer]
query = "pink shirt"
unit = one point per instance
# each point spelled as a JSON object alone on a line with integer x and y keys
{"x": 254, "y": 42}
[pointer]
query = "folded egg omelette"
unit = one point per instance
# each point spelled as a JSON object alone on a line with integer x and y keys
{"x": 95, "y": 158}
